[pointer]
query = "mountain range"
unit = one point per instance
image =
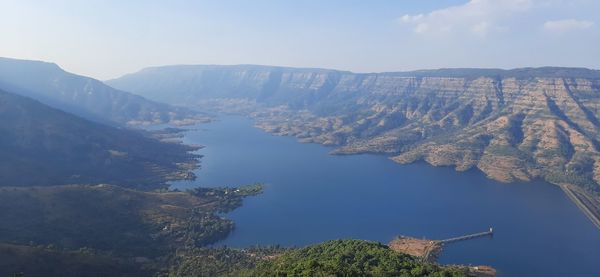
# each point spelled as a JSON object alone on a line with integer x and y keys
{"x": 63, "y": 136}
{"x": 520, "y": 124}
{"x": 87, "y": 97}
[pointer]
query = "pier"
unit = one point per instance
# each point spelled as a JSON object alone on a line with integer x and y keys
{"x": 471, "y": 236}
{"x": 428, "y": 250}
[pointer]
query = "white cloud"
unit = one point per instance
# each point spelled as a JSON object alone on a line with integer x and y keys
{"x": 478, "y": 17}
{"x": 566, "y": 25}
{"x": 411, "y": 18}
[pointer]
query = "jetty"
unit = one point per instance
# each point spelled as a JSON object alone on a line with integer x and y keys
{"x": 468, "y": 237}
{"x": 428, "y": 250}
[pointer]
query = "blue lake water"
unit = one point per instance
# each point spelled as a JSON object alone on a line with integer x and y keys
{"x": 312, "y": 196}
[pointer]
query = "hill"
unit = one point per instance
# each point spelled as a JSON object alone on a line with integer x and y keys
{"x": 116, "y": 220}
{"x": 43, "y": 146}
{"x": 86, "y": 97}
{"x": 106, "y": 230}
{"x": 332, "y": 258}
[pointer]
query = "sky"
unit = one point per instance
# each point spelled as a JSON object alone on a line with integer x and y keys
{"x": 105, "y": 39}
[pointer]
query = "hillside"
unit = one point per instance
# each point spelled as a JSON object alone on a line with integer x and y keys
{"x": 43, "y": 146}
{"x": 349, "y": 258}
{"x": 126, "y": 222}
{"x": 75, "y": 230}
{"x": 153, "y": 210}
{"x": 519, "y": 124}
{"x": 331, "y": 258}
{"x": 86, "y": 97}
{"x": 42, "y": 261}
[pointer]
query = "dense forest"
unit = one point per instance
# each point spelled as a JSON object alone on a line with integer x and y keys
{"x": 332, "y": 258}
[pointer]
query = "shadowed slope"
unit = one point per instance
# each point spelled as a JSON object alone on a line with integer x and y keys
{"x": 44, "y": 146}
{"x": 86, "y": 97}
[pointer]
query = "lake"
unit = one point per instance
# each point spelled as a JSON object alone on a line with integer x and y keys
{"x": 312, "y": 196}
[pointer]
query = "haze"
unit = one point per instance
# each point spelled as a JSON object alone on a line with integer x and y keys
{"x": 106, "y": 39}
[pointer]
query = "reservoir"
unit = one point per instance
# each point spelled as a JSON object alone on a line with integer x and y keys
{"x": 311, "y": 196}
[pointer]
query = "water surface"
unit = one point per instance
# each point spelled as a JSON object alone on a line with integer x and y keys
{"x": 312, "y": 196}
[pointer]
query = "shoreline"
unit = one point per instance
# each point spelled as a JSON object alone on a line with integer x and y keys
{"x": 591, "y": 213}
{"x": 588, "y": 211}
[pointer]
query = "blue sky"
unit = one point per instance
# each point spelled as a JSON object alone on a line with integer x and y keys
{"x": 105, "y": 39}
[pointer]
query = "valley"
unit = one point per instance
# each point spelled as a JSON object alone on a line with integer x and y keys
{"x": 311, "y": 197}
{"x": 513, "y": 125}
{"x": 306, "y": 138}
{"x": 85, "y": 194}
{"x": 86, "y": 190}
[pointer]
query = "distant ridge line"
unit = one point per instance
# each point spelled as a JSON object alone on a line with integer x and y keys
{"x": 522, "y": 72}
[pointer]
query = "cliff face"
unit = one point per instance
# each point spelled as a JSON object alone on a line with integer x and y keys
{"x": 512, "y": 125}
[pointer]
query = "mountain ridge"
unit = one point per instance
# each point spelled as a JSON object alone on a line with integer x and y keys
{"x": 546, "y": 71}
{"x": 84, "y": 96}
